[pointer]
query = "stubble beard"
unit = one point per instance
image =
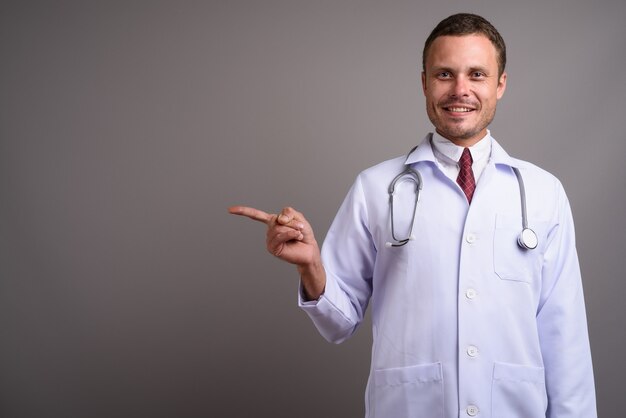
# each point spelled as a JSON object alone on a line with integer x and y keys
{"x": 456, "y": 131}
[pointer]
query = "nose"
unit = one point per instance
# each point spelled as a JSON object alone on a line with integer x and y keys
{"x": 460, "y": 87}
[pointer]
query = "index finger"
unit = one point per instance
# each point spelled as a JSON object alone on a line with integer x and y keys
{"x": 252, "y": 213}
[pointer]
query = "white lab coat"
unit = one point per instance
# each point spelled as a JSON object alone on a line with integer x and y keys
{"x": 465, "y": 322}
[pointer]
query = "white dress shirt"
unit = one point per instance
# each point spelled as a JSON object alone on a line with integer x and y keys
{"x": 448, "y": 154}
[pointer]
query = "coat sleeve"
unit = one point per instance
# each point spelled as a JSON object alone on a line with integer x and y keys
{"x": 348, "y": 256}
{"x": 562, "y": 324}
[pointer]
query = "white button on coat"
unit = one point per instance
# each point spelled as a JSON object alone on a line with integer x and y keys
{"x": 472, "y": 351}
{"x": 472, "y": 410}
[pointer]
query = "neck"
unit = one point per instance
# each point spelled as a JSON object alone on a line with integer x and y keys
{"x": 464, "y": 142}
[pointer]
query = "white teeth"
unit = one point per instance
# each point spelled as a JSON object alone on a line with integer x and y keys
{"x": 459, "y": 109}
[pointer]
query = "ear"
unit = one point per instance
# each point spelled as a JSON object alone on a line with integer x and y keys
{"x": 501, "y": 86}
{"x": 424, "y": 82}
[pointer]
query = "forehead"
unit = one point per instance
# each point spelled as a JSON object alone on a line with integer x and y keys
{"x": 462, "y": 51}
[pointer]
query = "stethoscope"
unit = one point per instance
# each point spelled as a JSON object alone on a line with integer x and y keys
{"x": 527, "y": 239}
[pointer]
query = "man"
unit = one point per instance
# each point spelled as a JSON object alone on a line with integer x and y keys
{"x": 469, "y": 317}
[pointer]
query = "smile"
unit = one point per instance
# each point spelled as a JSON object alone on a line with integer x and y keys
{"x": 458, "y": 109}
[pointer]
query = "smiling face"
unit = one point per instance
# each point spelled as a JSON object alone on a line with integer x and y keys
{"x": 462, "y": 86}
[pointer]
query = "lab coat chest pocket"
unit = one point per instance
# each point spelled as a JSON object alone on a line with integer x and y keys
{"x": 518, "y": 391}
{"x": 409, "y": 392}
{"x": 510, "y": 261}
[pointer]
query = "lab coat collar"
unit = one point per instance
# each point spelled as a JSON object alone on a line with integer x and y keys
{"x": 424, "y": 152}
{"x": 500, "y": 157}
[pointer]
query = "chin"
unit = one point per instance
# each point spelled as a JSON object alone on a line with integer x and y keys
{"x": 461, "y": 134}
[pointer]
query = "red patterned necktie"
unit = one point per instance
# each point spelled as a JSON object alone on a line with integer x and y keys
{"x": 466, "y": 175}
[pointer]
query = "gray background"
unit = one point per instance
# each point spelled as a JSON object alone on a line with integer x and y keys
{"x": 127, "y": 129}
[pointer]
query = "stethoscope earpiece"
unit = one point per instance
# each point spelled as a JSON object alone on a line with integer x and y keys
{"x": 400, "y": 243}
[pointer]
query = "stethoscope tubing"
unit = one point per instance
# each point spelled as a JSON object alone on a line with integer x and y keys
{"x": 416, "y": 178}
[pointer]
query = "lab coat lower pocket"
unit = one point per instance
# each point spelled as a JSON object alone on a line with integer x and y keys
{"x": 409, "y": 392}
{"x": 518, "y": 391}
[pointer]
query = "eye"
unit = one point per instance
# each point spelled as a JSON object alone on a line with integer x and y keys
{"x": 478, "y": 74}
{"x": 444, "y": 74}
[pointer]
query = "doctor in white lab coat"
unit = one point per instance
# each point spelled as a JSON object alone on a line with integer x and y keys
{"x": 466, "y": 322}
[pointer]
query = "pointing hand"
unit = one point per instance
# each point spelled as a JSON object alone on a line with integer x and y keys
{"x": 289, "y": 235}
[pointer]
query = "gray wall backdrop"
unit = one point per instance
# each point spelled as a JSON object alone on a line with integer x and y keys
{"x": 128, "y": 127}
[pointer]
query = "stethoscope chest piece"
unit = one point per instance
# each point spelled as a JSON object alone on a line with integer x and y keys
{"x": 528, "y": 239}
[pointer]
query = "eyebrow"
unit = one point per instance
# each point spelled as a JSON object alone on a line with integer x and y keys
{"x": 438, "y": 69}
{"x": 481, "y": 69}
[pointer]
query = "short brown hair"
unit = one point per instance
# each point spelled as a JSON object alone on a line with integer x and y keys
{"x": 468, "y": 24}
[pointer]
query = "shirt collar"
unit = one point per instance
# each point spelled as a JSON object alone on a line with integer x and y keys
{"x": 449, "y": 152}
{"x": 424, "y": 151}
